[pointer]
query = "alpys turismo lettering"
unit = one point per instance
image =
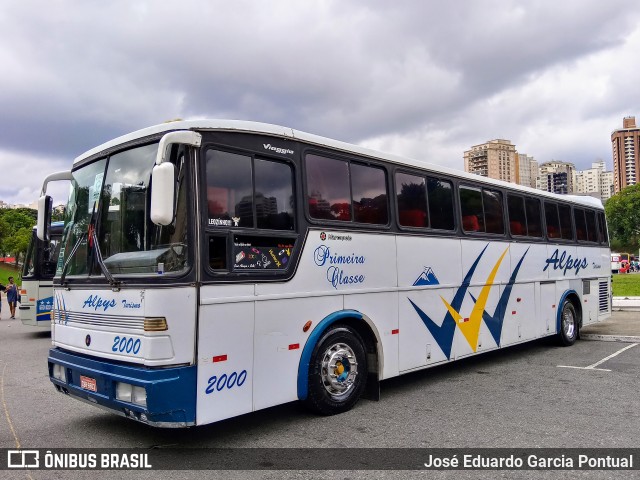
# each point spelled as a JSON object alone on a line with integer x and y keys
{"x": 96, "y": 302}
{"x": 564, "y": 262}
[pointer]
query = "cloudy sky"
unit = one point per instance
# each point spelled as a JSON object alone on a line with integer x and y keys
{"x": 423, "y": 79}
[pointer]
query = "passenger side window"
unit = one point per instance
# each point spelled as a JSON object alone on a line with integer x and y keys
{"x": 592, "y": 232}
{"x": 581, "y": 226}
{"x": 534, "y": 217}
{"x": 412, "y": 200}
{"x": 346, "y": 191}
{"x": 553, "y": 222}
{"x": 471, "y": 209}
{"x": 440, "y": 194}
{"x": 481, "y": 210}
{"x": 517, "y": 218}
{"x": 564, "y": 212}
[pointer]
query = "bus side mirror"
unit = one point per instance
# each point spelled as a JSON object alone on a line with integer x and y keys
{"x": 162, "y": 193}
{"x": 45, "y": 204}
{"x": 163, "y": 178}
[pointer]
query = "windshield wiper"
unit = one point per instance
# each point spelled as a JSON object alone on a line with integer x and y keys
{"x": 73, "y": 252}
{"x": 93, "y": 244}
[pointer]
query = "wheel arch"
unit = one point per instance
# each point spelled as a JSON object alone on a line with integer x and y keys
{"x": 574, "y": 298}
{"x": 363, "y": 325}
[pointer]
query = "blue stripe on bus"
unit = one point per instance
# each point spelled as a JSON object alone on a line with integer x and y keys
{"x": 303, "y": 368}
{"x": 559, "y": 312}
{"x": 171, "y": 392}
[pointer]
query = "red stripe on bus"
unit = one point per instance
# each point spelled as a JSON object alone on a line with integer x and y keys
{"x": 294, "y": 346}
{"x": 395, "y": 331}
{"x": 220, "y": 358}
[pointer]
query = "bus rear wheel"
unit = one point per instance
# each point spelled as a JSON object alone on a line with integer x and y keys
{"x": 568, "y": 324}
{"x": 337, "y": 371}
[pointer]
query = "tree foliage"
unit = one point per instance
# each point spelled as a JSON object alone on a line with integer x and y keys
{"x": 623, "y": 217}
{"x": 16, "y": 226}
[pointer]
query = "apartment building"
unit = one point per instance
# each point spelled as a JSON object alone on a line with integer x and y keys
{"x": 625, "y": 143}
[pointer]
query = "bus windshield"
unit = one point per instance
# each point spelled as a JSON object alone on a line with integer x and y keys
{"x": 111, "y": 199}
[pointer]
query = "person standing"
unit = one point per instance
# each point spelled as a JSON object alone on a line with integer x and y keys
{"x": 12, "y": 296}
{"x": 2, "y": 289}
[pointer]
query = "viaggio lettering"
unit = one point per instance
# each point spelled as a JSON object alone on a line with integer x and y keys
{"x": 565, "y": 262}
{"x": 268, "y": 146}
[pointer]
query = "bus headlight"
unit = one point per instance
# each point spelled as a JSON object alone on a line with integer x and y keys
{"x": 59, "y": 373}
{"x": 131, "y": 393}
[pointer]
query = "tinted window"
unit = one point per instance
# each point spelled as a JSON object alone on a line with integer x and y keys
{"x": 274, "y": 195}
{"x": 493, "y": 214}
{"x": 412, "y": 200}
{"x": 553, "y": 223}
{"x": 369, "y": 189}
{"x": 328, "y": 193}
{"x": 229, "y": 191}
{"x": 581, "y": 226}
{"x": 534, "y": 217}
{"x": 602, "y": 230}
{"x": 441, "y": 204}
{"x": 564, "y": 212}
{"x": 232, "y": 201}
{"x": 517, "y": 218}
{"x": 592, "y": 233}
{"x": 471, "y": 209}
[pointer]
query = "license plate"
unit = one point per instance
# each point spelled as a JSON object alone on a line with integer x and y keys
{"x": 88, "y": 383}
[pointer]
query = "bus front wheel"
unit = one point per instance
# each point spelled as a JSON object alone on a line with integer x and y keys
{"x": 568, "y": 324}
{"x": 337, "y": 371}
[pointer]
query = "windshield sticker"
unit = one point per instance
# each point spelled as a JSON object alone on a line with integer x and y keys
{"x": 222, "y": 222}
{"x": 94, "y": 191}
{"x": 261, "y": 253}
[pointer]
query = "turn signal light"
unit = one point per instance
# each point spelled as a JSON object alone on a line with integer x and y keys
{"x": 155, "y": 324}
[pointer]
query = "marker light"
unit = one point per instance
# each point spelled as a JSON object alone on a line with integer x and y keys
{"x": 155, "y": 324}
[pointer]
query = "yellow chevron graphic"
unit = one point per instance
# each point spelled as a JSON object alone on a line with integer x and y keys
{"x": 471, "y": 328}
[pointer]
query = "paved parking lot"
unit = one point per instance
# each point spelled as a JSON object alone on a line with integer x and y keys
{"x": 532, "y": 395}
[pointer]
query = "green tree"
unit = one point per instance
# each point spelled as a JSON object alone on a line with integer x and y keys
{"x": 15, "y": 231}
{"x": 623, "y": 217}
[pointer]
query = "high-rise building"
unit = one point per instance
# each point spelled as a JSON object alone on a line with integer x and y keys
{"x": 594, "y": 181}
{"x": 527, "y": 170}
{"x": 495, "y": 159}
{"x": 626, "y": 149}
{"x": 556, "y": 177}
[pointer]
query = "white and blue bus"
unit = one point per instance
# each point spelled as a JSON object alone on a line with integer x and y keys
{"x": 36, "y": 291}
{"x": 213, "y": 268}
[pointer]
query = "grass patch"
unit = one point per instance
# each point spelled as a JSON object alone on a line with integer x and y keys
{"x": 626, "y": 285}
{"x": 8, "y": 270}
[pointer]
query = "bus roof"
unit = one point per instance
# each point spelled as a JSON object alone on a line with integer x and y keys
{"x": 289, "y": 133}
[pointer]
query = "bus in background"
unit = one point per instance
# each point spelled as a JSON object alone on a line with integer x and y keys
{"x": 213, "y": 268}
{"x": 36, "y": 293}
{"x": 620, "y": 262}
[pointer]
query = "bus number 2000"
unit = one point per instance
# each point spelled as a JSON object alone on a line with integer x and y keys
{"x": 226, "y": 381}
{"x": 126, "y": 345}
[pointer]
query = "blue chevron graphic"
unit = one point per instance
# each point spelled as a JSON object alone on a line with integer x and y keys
{"x": 494, "y": 322}
{"x": 444, "y": 334}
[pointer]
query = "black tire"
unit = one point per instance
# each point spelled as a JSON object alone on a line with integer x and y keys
{"x": 569, "y": 324}
{"x": 339, "y": 353}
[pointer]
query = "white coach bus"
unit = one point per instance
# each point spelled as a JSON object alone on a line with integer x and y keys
{"x": 36, "y": 291}
{"x": 213, "y": 268}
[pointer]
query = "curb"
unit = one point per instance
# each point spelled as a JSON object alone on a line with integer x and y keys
{"x": 610, "y": 338}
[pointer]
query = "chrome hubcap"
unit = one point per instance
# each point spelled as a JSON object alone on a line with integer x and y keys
{"x": 568, "y": 322}
{"x": 339, "y": 369}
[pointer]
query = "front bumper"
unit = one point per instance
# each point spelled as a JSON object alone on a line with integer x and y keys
{"x": 171, "y": 392}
